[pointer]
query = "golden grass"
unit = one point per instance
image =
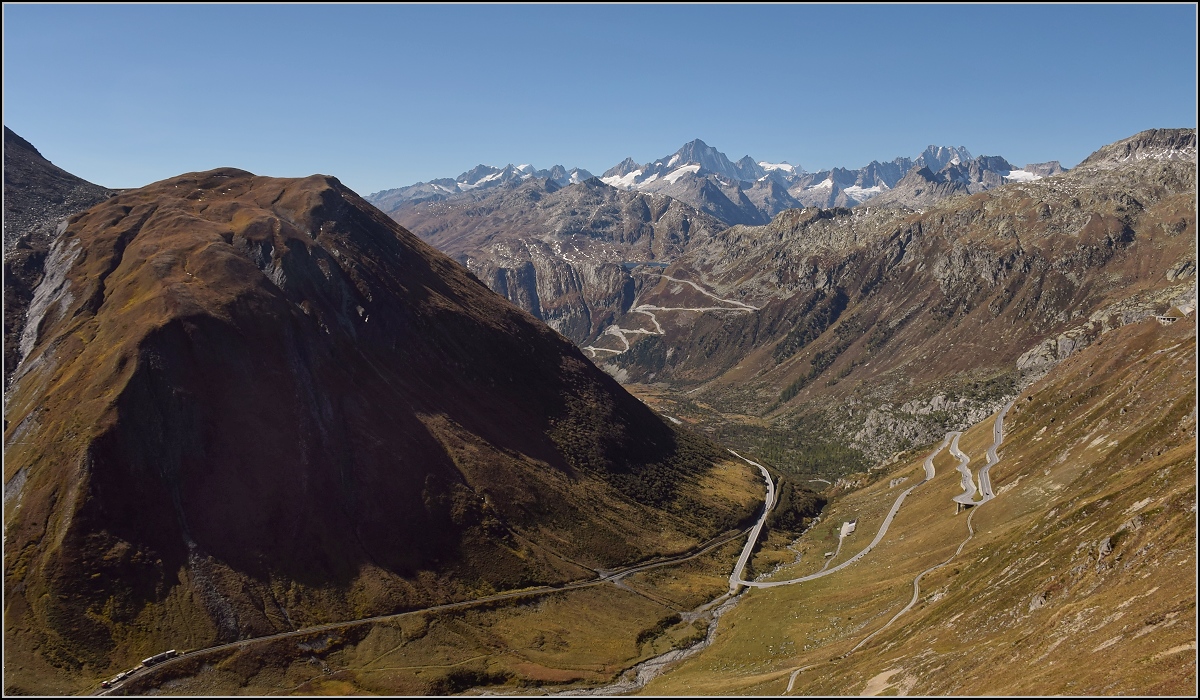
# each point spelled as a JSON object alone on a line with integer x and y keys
{"x": 582, "y": 636}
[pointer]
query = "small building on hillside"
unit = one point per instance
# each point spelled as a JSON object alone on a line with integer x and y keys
{"x": 1170, "y": 316}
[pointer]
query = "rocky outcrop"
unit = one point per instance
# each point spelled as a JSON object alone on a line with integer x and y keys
{"x": 924, "y": 186}
{"x": 38, "y": 195}
{"x": 38, "y": 198}
{"x": 1152, "y": 144}
{"x": 1046, "y": 169}
{"x": 921, "y": 187}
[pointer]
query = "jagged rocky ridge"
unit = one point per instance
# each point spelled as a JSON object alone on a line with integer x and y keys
{"x": 481, "y": 177}
{"x": 747, "y": 192}
{"x": 249, "y": 404}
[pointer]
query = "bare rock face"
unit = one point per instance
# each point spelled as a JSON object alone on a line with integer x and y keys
{"x": 923, "y": 186}
{"x": 248, "y": 404}
{"x": 1152, "y": 144}
{"x": 565, "y": 254}
{"x": 38, "y": 198}
{"x": 1046, "y": 169}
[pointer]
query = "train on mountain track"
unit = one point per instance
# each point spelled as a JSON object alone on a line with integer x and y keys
{"x": 159, "y": 658}
{"x": 146, "y": 663}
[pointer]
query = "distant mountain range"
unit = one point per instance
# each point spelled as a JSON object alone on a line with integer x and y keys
{"x": 561, "y": 244}
{"x": 751, "y": 191}
{"x": 481, "y": 177}
{"x": 855, "y": 314}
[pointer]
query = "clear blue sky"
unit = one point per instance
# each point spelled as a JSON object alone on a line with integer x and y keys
{"x": 387, "y": 95}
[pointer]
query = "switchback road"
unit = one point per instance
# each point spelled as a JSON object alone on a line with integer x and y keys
{"x": 986, "y": 487}
{"x": 967, "y": 497}
{"x": 985, "y": 478}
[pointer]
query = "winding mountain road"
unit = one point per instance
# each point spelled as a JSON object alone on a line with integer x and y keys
{"x": 883, "y": 528}
{"x": 985, "y": 477}
{"x": 967, "y": 497}
{"x": 986, "y": 488}
{"x": 735, "y": 579}
{"x": 707, "y": 293}
{"x": 929, "y": 473}
{"x": 649, "y": 309}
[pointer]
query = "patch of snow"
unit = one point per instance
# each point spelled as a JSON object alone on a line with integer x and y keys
{"x": 1160, "y": 154}
{"x": 674, "y": 175}
{"x": 786, "y": 167}
{"x": 1021, "y": 176}
{"x": 673, "y": 161}
{"x": 826, "y": 184}
{"x": 624, "y": 182}
{"x": 862, "y": 193}
{"x": 479, "y": 182}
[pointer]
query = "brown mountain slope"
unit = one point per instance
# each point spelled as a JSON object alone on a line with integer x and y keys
{"x": 253, "y": 404}
{"x": 38, "y": 195}
{"x": 891, "y": 328}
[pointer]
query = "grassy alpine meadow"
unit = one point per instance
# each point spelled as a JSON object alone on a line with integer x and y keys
{"x": 1086, "y": 553}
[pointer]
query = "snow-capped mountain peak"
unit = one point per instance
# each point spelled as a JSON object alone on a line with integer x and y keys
{"x": 937, "y": 157}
